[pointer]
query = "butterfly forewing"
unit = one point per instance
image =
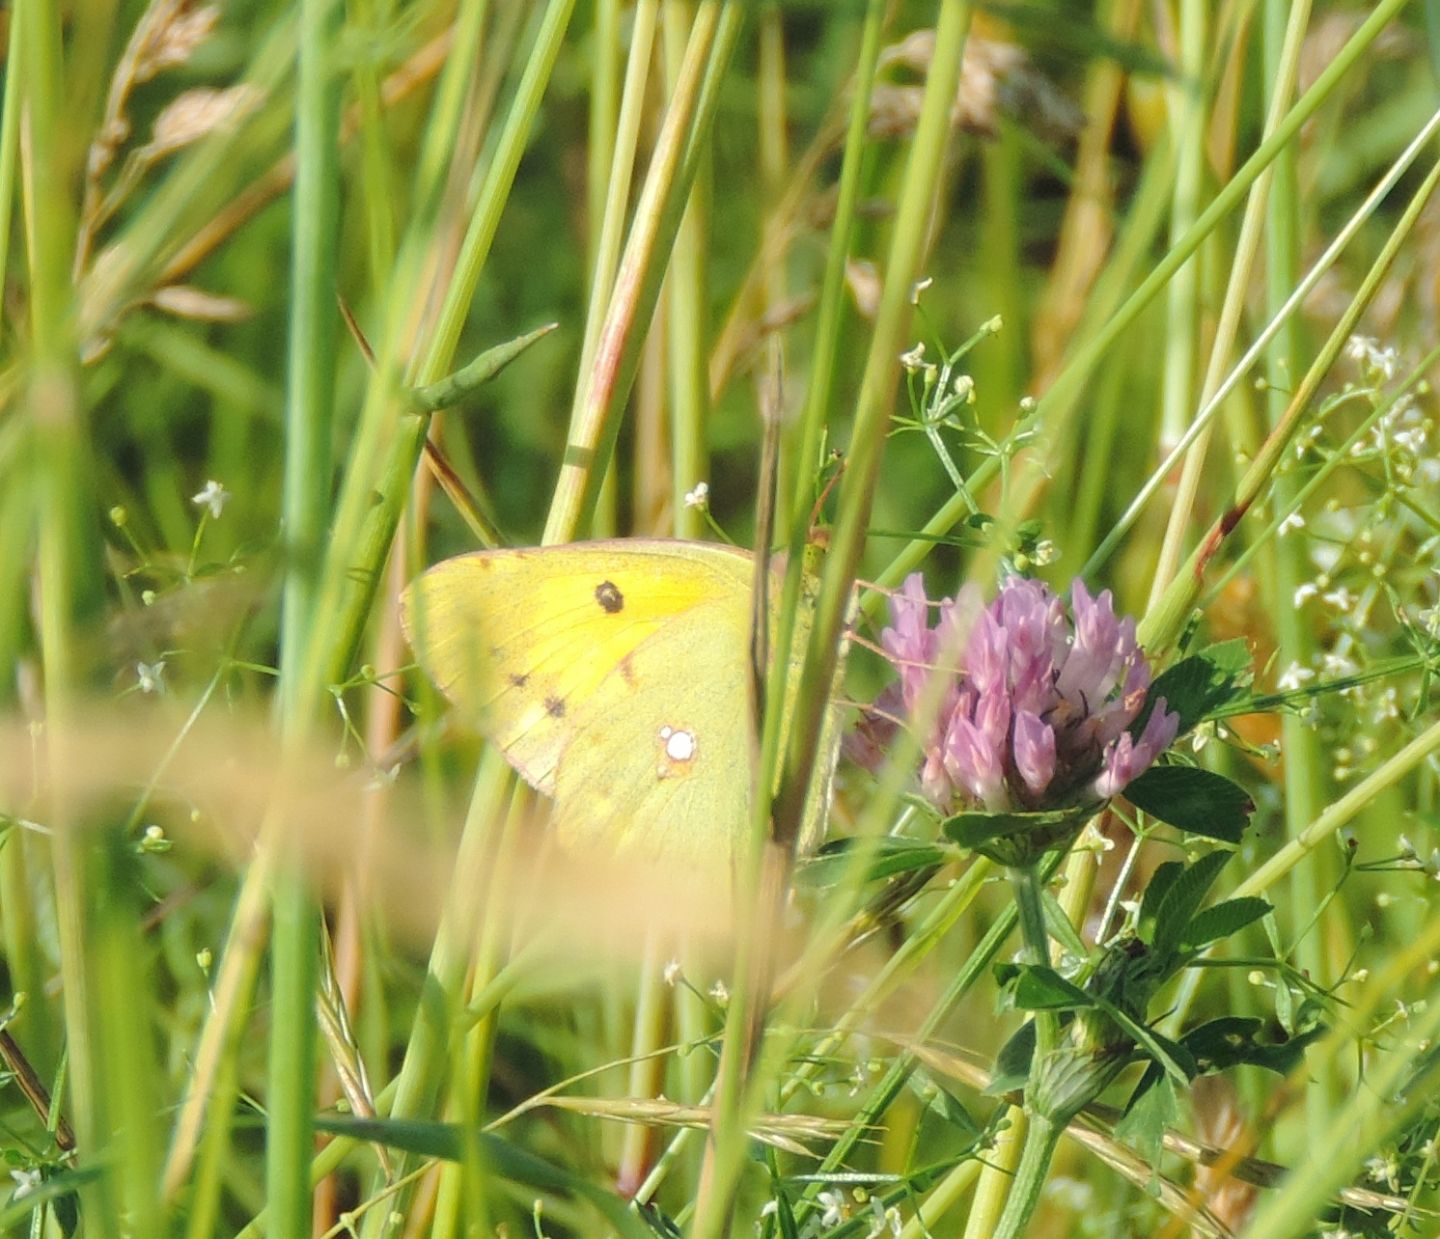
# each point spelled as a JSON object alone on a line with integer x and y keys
{"x": 577, "y": 659}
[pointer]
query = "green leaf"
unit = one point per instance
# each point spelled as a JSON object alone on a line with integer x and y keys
{"x": 447, "y": 1142}
{"x": 1012, "y": 1064}
{"x": 1187, "y": 892}
{"x": 1231, "y": 1041}
{"x": 884, "y": 858}
{"x": 662, "y": 1225}
{"x": 942, "y": 1102}
{"x": 1016, "y": 839}
{"x": 1059, "y": 927}
{"x": 1222, "y": 920}
{"x": 458, "y": 387}
{"x": 1159, "y": 886}
{"x": 1144, "y": 1124}
{"x": 1197, "y": 686}
{"x": 1044, "y": 989}
{"x": 1193, "y": 800}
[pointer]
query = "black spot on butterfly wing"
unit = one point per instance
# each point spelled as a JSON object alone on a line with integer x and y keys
{"x": 611, "y": 600}
{"x": 518, "y": 680}
{"x": 554, "y": 707}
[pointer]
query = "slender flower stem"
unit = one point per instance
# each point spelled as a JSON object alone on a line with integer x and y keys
{"x": 1041, "y": 1133}
{"x": 1030, "y": 904}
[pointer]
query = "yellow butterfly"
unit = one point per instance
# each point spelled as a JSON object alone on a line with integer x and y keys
{"x": 615, "y": 676}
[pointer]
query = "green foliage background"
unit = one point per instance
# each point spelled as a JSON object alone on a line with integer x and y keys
{"x": 163, "y": 953}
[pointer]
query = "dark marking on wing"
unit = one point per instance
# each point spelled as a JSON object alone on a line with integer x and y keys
{"x": 627, "y": 669}
{"x": 517, "y": 680}
{"x": 554, "y": 707}
{"x": 609, "y": 598}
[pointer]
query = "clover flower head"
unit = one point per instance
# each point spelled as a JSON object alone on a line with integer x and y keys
{"x": 1037, "y": 699}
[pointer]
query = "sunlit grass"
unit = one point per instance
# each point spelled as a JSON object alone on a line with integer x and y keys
{"x": 1142, "y": 292}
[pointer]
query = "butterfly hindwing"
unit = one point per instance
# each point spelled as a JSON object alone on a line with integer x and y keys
{"x": 661, "y": 766}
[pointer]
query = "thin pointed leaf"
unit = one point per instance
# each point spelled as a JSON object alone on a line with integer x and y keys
{"x": 445, "y": 1141}
{"x": 456, "y": 388}
{"x": 884, "y": 858}
{"x": 1222, "y": 920}
{"x": 1184, "y": 897}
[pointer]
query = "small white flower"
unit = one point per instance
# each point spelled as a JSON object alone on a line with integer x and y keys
{"x": 720, "y": 992}
{"x": 1293, "y": 521}
{"x": 833, "y": 1203}
{"x": 1382, "y": 1170}
{"x": 699, "y": 497}
{"x": 1294, "y": 676}
{"x": 672, "y": 972}
{"x": 1359, "y": 348}
{"x": 1337, "y": 666}
{"x": 26, "y": 1181}
{"x": 885, "y": 1219}
{"x": 1044, "y": 552}
{"x": 1412, "y": 440}
{"x": 214, "y": 497}
{"x": 1341, "y": 599}
{"x": 965, "y": 388}
{"x": 1303, "y": 593}
{"x": 1386, "y": 361}
{"x": 914, "y": 360}
{"x": 151, "y": 676}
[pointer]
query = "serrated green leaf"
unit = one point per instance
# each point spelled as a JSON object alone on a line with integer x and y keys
{"x": 1155, "y": 891}
{"x": 1187, "y": 892}
{"x": 884, "y": 859}
{"x": 1221, "y": 920}
{"x": 1197, "y": 686}
{"x": 1196, "y": 801}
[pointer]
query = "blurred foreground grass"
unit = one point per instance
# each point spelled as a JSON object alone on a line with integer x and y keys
{"x": 246, "y": 872}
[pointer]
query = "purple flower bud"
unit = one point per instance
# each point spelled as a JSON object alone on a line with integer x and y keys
{"x": 1034, "y": 751}
{"x": 1036, "y": 708}
{"x": 1126, "y": 758}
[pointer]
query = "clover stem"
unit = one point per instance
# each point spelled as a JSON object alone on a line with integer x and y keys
{"x": 1042, "y": 1133}
{"x": 1030, "y": 904}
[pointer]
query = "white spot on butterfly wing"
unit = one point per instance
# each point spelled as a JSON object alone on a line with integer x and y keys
{"x": 678, "y": 747}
